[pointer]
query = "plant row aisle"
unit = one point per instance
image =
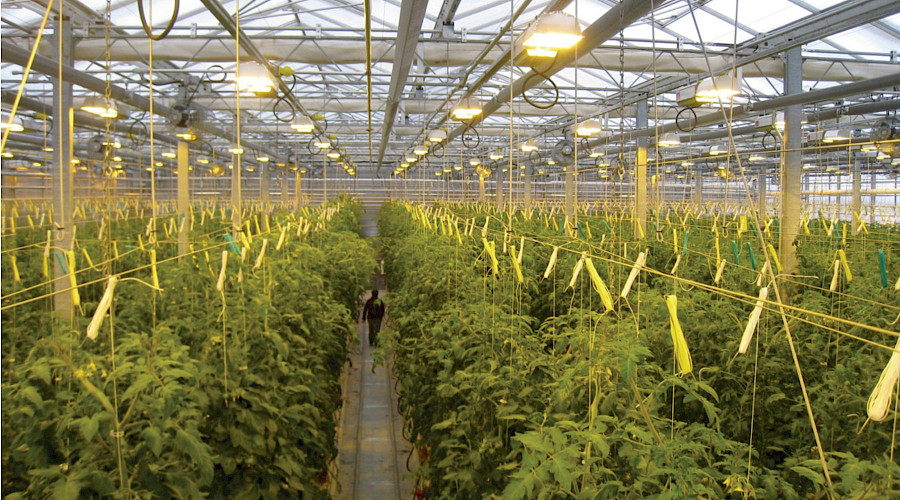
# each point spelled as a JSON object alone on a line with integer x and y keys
{"x": 214, "y": 375}
{"x": 542, "y": 359}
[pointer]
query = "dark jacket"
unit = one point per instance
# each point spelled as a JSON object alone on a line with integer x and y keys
{"x": 374, "y": 308}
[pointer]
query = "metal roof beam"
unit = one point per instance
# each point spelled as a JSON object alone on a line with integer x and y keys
{"x": 227, "y": 22}
{"x": 836, "y": 92}
{"x": 448, "y": 11}
{"x": 412, "y": 13}
{"x": 17, "y": 55}
{"x": 836, "y": 19}
{"x": 610, "y": 23}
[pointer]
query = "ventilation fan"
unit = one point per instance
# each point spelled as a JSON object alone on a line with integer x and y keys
{"x": 886, "y": 130}
{"x": 188, "y": 115}
{"x": 563, "y": 152}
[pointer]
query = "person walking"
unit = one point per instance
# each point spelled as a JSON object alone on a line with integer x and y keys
{"x": 373, "y": 312}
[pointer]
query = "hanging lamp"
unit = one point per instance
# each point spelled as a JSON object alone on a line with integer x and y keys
{"x": 466, "y": 109}
{"x": 668, "y": 140}
{"x": 588, "y": 128}
{"x": 100, "y": 106}
{"x": 303, "y": 125}
{"x": 253, "y": 77}
{"x": 17, "y": 125}
{"x": 550, "y": 33}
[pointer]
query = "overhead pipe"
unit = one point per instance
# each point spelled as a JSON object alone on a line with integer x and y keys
{"x": 830, "y": 21}
{"x": 17, "y": 55}
{"x": 82, "y": 118}
{"x": 814, "y": 117}
{"x": 836, "y": 92}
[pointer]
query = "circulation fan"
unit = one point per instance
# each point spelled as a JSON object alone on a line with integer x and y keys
{"x": 884, "y": 131}
{"x": 188, "y": 115}
{"x": 563, "y": 152}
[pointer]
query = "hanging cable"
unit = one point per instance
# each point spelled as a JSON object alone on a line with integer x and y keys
{"x": 538, "y": 74}
{"x": 148, "y": 29}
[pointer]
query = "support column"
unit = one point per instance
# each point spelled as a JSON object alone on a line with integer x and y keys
{"x": 324, "y": 177}
{"x": 763, "y": 184}
{"x": 481, "y": 195}
{"x": 570, "y": 193}
{"x": 265, "y": 185}
{"x": 236, "y": 221}
{"x": 498, "y": 195}
{"x": 856, "y": 198}
{"x": 872, "y": 197}
{"x": 792, "y": 167}
{"x": 698, "y": 188}
{"x": 527, "y": 196}
{"x": 183, "y": 201}
{"x": 63, "y": 205}
{"x": 284, "y": 188}
{"x": 298, "y": 184}
{"x": 640, "y": 174}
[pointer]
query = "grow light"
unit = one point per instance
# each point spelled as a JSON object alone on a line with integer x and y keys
{"x": 668, "y": 140}
{"x": 437, "y": 136}
{"x": 836, "y": 135}
{"x": 551, "y": 32}
{"x": 100, "y": 106}
{"x": 588, "y": 128}
{"x": 465, "y": 110}
{"x": 252, "y": 77}
{"x": 303, "y": 125}
{"x": 529, "y": 146}
{"x": 187, "y": 135}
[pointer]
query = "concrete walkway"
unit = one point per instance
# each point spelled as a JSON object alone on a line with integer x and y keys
{"x": 372, "y": 454}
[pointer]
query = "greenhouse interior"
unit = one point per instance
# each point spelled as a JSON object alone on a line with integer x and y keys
{"x": 492, "y": 249}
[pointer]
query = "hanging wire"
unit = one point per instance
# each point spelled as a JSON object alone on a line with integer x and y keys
{"x": 27, "y": 71}
{"x": 772, "y": 277}
{"x": 148, "y": 29}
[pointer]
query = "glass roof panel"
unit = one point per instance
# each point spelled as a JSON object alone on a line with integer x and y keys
{"x": 821, "y": 4}
{"x": 712, "y": 29}
{"x": 866, "y": 39}
{"x": 760, "y": 15}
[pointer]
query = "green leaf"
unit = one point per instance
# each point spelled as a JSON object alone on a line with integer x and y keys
{"x": 141, "y": 383}
{"x": 533, "y": 441}
{"x": 198, "y": 451}
{"x": 66, "y": 490}
{"x": 153, "y": 438}
{"x": 42, "y": 372}
{"x": 808, "y": 473}
{"x": 89, "y": 426}
{"x": 514, "y": 490}
{"x": 31, "y": 394}
{"x": 445, "y": 424}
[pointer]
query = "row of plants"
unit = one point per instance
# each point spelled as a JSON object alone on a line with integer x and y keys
{"x": 532, "y": 388}
{"x": 191, "y": 390}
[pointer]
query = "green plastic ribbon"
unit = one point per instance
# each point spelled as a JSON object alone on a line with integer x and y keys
{"x": 736, "y": 251}
{"x": 231, "y": 244}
